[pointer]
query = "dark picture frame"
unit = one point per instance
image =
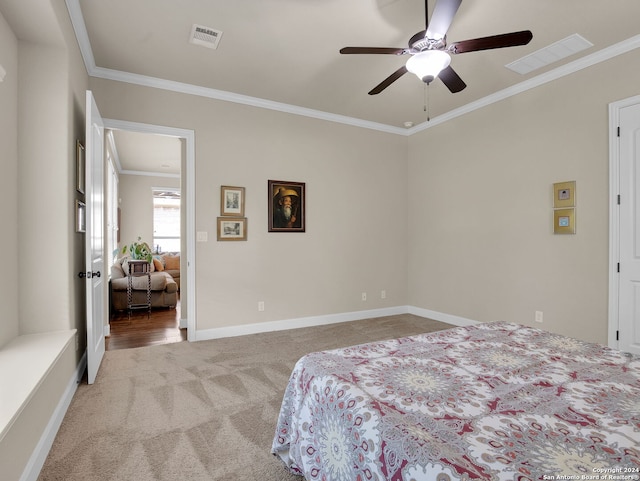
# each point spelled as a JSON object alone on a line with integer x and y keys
{"x": 287, "y": 206}
{"x": 80, "y": 167}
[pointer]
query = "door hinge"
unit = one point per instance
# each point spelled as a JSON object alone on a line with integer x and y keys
{"x": 618, "y": 267}
{"x": 618, "y": 131}
{"x": 617, "y": 335}
{"x": 618, "y": 199}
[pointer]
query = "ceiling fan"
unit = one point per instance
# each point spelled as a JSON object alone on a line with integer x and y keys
{"x": 430, "y": 53}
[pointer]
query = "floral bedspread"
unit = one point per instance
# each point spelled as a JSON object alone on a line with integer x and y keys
{"x": 494, "y": 401}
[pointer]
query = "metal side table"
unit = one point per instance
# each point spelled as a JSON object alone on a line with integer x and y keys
{"x": 138, "y": 268}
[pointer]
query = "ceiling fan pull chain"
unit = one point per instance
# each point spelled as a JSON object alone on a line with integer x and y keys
{"x": 427, "y": 107}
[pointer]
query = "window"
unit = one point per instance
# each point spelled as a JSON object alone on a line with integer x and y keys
{"x": 166, "y": 220}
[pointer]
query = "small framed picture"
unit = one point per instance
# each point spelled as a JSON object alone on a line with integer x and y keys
{"x": 81, "y": 218}
{"x": 232, "y": 201}
{"x": 287, "y": 202}
{"x": 564, "y": 221}
{"x": 232, "y": 229}
{"x": 80, "y": 167}
{"x": 564, "y": 194}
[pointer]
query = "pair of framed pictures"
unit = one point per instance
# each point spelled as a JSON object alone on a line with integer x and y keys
{"x": 564, "y": 205}
{"x": 232, "y": 224}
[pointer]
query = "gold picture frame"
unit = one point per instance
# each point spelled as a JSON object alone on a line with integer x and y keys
{"x": 564, "y": 194}
{"x": 231, "y": 201}
{"x": 232, "y": 229}
{"x": 564, "y": 221}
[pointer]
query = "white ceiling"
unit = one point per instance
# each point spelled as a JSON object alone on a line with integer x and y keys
{"x": 287, "y": 50}
{"x": 143, "y": 153}
{"x": 284, "y": 54}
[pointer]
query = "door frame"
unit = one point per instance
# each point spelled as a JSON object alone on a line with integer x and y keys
{"x": 614, "y": 216}
{"x": 189, "y": 196}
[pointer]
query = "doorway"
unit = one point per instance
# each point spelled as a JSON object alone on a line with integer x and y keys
{"x": 185, "y": 180}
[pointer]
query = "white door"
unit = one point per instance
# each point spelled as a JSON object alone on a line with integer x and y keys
{"x": 629, "y": 185}
{"x": 94, "y": 237}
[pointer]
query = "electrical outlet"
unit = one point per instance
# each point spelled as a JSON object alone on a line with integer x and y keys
{"x": 261, "y": 306}
{"x": 383, "y": 294}
{"x": 538, "y": 316}
{"x": 364, "y": 296}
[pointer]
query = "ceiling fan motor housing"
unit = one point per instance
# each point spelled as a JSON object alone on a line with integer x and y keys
{"x": 419, "y": 42}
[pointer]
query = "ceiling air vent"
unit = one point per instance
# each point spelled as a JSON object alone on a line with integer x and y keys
{"x": 550, "y": 54}
{"x": 205, "y": 36}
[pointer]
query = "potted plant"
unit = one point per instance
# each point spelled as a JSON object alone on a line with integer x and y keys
{"x": 139, "y": 250}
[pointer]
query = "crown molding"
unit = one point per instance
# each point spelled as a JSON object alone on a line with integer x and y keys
{"x": 180, "y": 87}
{"x": 82, "y": 37}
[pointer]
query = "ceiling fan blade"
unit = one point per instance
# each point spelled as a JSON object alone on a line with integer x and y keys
{"x": 378, "y": 50}
{"x": 452, "y": 80}
{"x": 512, "y": 39}
{"x": 388, "y": 81}
{"x": 441, "y": 18}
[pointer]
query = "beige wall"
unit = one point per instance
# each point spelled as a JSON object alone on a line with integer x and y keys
{"x": 52, "y": 82}
{"x": 45, "y": 222}
{"x": 9, "y": 327}
{"x": 480, "y": 241}
{"x": 356, "y": 231}
{"x": 135, "y": 192}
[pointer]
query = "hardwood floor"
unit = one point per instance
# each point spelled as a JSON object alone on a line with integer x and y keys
{"x": 162, "y": 326}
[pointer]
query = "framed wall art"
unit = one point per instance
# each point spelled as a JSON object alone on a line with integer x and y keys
{"x": 564, "y": 221}
{"x": 287, "y": 203}
{"x": 232, "y": 229}
{"x": 564, "y": 194}
{"x": 232, "y": 201}
{"x": 80, "y": 167}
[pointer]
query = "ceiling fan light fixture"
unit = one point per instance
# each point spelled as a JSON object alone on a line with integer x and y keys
{"x": 426, "y": 65}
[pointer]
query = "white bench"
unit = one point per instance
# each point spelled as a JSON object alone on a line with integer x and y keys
{"x": 24, "y": 364}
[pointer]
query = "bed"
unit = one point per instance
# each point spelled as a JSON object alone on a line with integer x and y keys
{"x": 493, "y": 401}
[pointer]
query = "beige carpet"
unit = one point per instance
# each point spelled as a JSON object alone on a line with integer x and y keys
{"x": 196, "y": 411}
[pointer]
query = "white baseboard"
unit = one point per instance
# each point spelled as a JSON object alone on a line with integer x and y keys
{"x": 442, "y": 317}
{"x": 256, "y": 328}
{"x": 311, "y": 321}
{"x": 40, "y": 453}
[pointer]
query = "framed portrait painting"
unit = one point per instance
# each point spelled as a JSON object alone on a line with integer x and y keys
{"x": 287, "y": 203}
